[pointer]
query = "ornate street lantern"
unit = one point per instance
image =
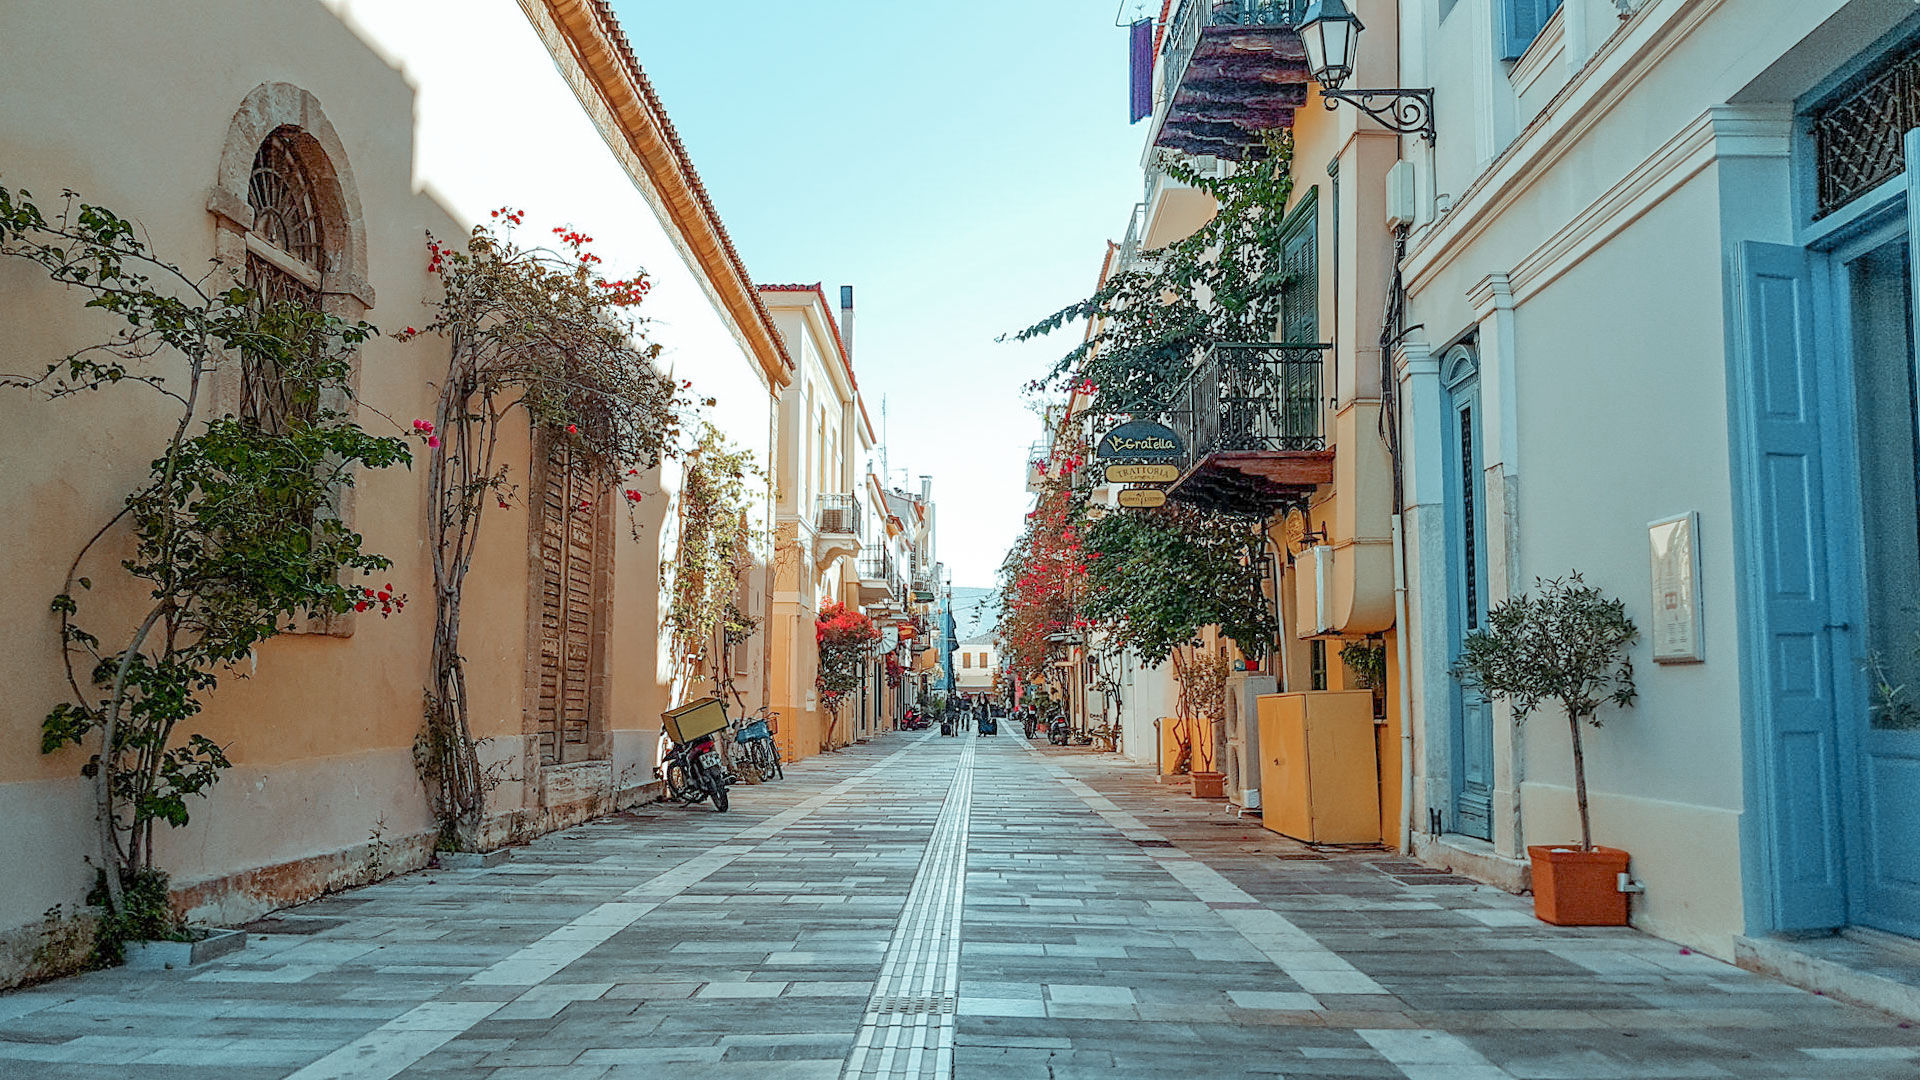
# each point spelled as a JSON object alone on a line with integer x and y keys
{"x": 1330, "y": 32}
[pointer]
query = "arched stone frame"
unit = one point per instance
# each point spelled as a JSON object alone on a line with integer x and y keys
{"x": 343, "y": 286}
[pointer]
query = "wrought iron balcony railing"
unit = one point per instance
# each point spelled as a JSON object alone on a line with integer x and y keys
{"x": 876, "y": 564}
{"x": 1252, "y": 398}
{"x": 838, "y": 514}
{"x": 1194, "y": 16}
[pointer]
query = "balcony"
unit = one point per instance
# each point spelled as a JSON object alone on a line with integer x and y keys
{"x": 1254, "y": 421}
{"x": 836, "y": 529}
{"x": 1039, "y": 459}
{"x": 1230, "y": 69}
{"x": 879, "y": 577}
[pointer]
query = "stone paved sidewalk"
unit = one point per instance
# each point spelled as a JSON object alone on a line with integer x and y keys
{"x": 922, "y": 906}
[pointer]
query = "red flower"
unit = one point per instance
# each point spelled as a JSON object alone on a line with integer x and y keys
{"x": 433, "y": 442}
{"x": 573, "y": 429}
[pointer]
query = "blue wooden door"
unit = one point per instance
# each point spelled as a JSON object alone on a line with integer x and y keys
{"x": 1879, "y": 286}
{"x": 1471, "y": 768}
{"x": 1797, "y": 646}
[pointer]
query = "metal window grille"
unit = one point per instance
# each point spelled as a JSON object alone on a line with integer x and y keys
{"x": 1470, "y": 539}
{"x": 281, "y": 193}
{"x": 1859, "y": 136}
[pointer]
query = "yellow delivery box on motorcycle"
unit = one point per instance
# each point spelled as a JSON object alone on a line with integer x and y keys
{"x": 694, "y": 719}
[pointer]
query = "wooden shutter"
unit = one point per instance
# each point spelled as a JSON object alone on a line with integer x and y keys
{"x": 1521, "y": 21}
{"x": 569, "y": 535}
{"x": 1300, "y": 258}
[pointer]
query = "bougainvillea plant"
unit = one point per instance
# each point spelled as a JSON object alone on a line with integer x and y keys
{"x": 235, "y": 530}
{"x": 542, "y": 332}
{"x": 1043, "y": 578}
{"x": 846, "y": 639}
{"x": 714, "y": 549}
{"x": 1223, "y": 283}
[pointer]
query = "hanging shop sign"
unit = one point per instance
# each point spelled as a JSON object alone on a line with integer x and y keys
{"x": 1142, "y": 474}
{"x": 1143, "y": 498}
{"x": 1141, "y": 440}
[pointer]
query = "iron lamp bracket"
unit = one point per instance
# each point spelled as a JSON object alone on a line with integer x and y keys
{"x": 1407, "y": 111}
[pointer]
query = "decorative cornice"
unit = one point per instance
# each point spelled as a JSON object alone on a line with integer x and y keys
{"x": 1617, "y": 68}
{"x": 1490, "y": 294}
{"x": 599, "y": 50}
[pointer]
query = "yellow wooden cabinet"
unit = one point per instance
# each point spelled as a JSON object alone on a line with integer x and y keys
{"x": 1319, "y": 769}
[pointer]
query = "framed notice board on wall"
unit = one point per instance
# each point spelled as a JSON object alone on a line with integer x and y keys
{"x": 1677, "y": 627}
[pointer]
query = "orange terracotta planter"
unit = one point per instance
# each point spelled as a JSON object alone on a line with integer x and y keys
{"x": 1209, "y": 785}
{"x": 1578, "y": 888}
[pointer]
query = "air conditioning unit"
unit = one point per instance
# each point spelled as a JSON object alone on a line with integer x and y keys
{"x": 1313, "y": 592}
{"x": 1244, "y": 690}
{"x": 1403, "y": 204}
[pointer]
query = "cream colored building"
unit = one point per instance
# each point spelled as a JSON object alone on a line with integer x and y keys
{"x": 409, "y": 117}
{"x": 1661, "y": 269}
{"x": 825, "y": 440}
{"x": 1312, "y": 465}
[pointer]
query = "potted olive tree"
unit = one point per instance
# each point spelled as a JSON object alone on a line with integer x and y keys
{"x": 1564, "y": 645}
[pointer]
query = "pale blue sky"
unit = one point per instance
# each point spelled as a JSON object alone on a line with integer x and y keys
{"x": 961, "y": 165}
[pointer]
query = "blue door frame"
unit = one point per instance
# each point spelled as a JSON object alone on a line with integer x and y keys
{"x": 1825, "y": 837}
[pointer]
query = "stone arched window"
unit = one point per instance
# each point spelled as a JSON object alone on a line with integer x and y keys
{"x": 288, "y": 226}
{"x": 289, "y": 223}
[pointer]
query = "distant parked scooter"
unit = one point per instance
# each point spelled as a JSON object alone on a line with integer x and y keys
{"x": 1058, "y": 732}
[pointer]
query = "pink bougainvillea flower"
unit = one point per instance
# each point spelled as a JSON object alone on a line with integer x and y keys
{"x": 573, "y": 429}
{"x": 433, "y": 442}
{"x": 634, "y": 496}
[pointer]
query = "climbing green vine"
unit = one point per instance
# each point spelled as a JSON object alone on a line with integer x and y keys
{"x": 234, "y": 533}
{"x": 1221, "y": 284}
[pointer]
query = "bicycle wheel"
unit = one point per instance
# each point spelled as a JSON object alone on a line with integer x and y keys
{"x": 773, "y": 757}
{"x": 717, "y": 787}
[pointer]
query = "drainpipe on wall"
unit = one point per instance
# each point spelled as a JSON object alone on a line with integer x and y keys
{"x": 1406, "y": 683}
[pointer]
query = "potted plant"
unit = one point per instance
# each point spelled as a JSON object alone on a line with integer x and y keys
{"x": 1564, "y": 645}
{"x": 1203, "y": 697}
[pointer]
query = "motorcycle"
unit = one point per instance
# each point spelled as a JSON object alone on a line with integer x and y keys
{"x": 1058, "y": 732}
{"x": 692, "y": 766}
{"x": 693, "y": 771}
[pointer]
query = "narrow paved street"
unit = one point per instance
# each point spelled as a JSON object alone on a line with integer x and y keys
{"x": 920, "y": 906}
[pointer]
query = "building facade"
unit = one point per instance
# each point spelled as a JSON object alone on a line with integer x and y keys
{"x": 1660, "y": 275}
{"x": 371, "y": 126}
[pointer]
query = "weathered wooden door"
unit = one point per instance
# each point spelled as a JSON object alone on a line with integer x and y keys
{"x": 569, "y": 545}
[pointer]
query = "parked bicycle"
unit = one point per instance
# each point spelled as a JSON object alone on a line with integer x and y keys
{"x": 692, "y": 766}
{"x": 755, "y": 753}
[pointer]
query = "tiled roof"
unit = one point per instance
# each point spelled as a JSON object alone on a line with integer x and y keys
{"x": 610, "y": 26}
{"x": 833, "y": 324}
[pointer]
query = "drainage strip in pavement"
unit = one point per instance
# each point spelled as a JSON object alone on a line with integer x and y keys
{"x": 908, "y": 1030}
